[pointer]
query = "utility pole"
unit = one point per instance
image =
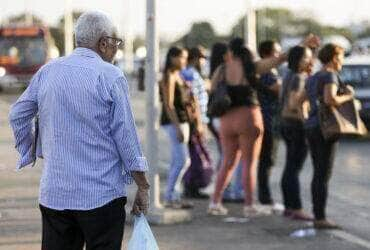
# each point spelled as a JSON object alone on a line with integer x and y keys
{"x": 128, "y": 36}
{"x": 28, "y": 18}
{"x": 68, "y": 27}
{"x": 250, "y": 27}
{"x": 152, "y": 105}
{"x": 157, "y": 214}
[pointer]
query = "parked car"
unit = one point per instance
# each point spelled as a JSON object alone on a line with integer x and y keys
{"x": 356, "y": 72}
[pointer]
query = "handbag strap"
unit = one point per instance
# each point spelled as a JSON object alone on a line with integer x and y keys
{"x": 341, "y": 86}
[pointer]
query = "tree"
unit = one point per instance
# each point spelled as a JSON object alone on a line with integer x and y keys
{"x": 201, "y": 33}
{"x": 365, "y": 33}
{"x": 139, "y": 41}
{"x": 21, "y": 18}
{"x": 277, "y": 23}
{"x": 271, "y": 24}
{"x": 57, "y": 32}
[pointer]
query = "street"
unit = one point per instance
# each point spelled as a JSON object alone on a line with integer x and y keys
{"x": 348, "y": 204}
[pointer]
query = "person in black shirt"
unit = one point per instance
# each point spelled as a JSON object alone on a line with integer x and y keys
{"x": 323, "y": 87}
{"x": 268, "y": 95}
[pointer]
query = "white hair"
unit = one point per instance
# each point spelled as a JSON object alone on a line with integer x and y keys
{"x": 90, "y": 27}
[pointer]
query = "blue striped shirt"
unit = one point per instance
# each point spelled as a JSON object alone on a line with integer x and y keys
{"x": 198, "y": 87}
{"x": 87, "y": 135}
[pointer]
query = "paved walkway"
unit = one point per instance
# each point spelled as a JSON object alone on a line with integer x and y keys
{"x": 20, "y": 219}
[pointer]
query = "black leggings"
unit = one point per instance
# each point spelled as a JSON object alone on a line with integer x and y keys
{"x": 266, "y": 162}
{"x": 322, "y": 153}
{"x": 294, "y": 136}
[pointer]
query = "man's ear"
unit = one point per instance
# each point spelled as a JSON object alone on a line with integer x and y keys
{"x": 102, "y": 45}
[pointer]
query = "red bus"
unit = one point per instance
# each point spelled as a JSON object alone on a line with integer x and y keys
{"x": 23, "y": 50}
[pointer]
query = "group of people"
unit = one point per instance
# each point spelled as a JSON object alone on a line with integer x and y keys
{"x": 76, "y": 115}
{"x": 266, "y": 103}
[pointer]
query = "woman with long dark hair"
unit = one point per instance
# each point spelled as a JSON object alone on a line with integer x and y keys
{"x": 241, "y": 126}
{"x": 218, "y": 57}
{"x": 324, "y": 87}
{"x": 300, "y": 64}
{"x": 176, "y": 99}
{"x": 234, "y": 191}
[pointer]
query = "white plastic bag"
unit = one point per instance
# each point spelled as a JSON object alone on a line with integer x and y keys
{"x": 142, "y": 237}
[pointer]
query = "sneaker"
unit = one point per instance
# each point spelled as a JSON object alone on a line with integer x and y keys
{"x": 264, "y": 209}
{"x": 254, "y": 211}
{"x": 273, "y": 208}
{"x": 278, "y": 208}
{"x": 325, "y": 225}
{"x": 217, "y": 209}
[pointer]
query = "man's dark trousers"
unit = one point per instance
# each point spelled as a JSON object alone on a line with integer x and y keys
{"x": 100, "y": 229}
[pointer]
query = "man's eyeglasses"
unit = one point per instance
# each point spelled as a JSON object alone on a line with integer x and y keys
{"x": 116, "y": 41}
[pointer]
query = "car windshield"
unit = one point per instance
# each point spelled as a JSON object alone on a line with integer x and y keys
{"x": 24, "y": 51}
{"x": 356, "y": 75}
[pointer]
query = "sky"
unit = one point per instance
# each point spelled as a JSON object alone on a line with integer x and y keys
{"x": 175, "y": 16}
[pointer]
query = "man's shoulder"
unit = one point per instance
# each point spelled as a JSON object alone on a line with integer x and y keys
{"x": 109, "y": 71}
{"x": 51, "y": 63}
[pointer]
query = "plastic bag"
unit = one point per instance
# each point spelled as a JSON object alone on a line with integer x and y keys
{"x": 142, "y": 237}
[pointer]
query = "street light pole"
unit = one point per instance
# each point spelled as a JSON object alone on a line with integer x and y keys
{"x": 68, "y": 27}
{"x": 28, "y": 15}
{"x": 157, "y": 214}
{"x": 129, "y": 38}
{"x": 152, "y": 127}
{"x": 250, "y": 33}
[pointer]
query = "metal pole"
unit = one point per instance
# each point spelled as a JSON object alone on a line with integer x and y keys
{"x": 68, "y": 28}
{"x": 129, "y": 41}
{"x": 28, "y": 15}
{"x": 250, "y": 27}
{"x": 152, "y": 124}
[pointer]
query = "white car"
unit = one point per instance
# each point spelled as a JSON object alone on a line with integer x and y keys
{"x": 356, "y": 72}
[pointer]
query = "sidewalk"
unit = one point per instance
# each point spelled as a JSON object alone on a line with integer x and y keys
{"x": 20, "y": 227}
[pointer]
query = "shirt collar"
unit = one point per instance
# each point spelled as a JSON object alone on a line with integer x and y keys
{"x": 86, "y": 52}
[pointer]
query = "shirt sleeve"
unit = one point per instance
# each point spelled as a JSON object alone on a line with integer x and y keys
{"x": 330, "y": 78}
{"x": 20, "y": 119}
{"x": 124, "y": 130}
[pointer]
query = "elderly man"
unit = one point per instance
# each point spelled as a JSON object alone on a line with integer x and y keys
{"x": 87, "y": 137}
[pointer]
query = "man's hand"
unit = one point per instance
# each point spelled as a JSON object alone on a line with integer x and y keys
{"x": 312, "y": 41}
{"x": 141, "y": 202}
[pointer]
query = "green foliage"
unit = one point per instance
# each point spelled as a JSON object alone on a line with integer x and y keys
{"x": 58, "y": 31}
{"x": 201, "y": 33}
{"x": 365, "y": 33}
{"x": 58, "y": 36}
{"x": 139, "y": 42}
{"x": 75, "y": 16}
{"x": 21, "y": 18}
{"x": 278, "y": 23}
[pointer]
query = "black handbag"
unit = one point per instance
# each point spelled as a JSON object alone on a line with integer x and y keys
{"x": 219, "y": 100}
